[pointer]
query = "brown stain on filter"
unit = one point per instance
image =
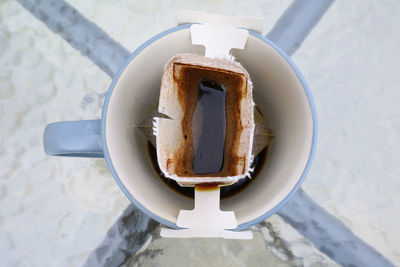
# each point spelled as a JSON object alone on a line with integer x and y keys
{"x": 226, "y": 191}
{"x": 207, "y": 186}
{"x": 187, "y": 79}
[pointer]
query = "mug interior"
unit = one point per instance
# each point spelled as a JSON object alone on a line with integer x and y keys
{"x": 278, "y": 92}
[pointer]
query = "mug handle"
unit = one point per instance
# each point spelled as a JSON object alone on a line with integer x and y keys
{"x": 74, "y": 139}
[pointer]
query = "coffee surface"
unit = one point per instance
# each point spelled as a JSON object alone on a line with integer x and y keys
{"x": 208, "y": 128}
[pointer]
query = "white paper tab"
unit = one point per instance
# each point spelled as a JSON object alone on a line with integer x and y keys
{"x": 218, "y": 40}
{"x": 206, "y": 219}
{"x": 191, "y": 16}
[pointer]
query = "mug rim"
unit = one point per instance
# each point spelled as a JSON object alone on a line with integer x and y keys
{"x": 243, "y": 225}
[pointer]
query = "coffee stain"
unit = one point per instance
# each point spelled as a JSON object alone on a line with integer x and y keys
{"x": 188, "y": 79}
{"x": 227, "y": 191}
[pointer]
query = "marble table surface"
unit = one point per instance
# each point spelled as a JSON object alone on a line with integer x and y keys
{"x": 57, "y": 211}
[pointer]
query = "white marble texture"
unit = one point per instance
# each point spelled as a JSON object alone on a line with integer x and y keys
{"x": 52, "y": 210}
{"x": 55, "y": 211}
{"x": 352, "y": 62}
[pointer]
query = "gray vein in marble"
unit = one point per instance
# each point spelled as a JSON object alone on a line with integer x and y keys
{"x": 126, "y": 237}
{"x": 328, "y": 234}
{"x": 133, "y": 229}
{"x": 277, "y": 242}
{"x": 297, "y": 22}
{"x": 80, "y": 33}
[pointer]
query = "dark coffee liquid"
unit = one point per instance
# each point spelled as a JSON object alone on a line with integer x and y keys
{"x": 226, "y": 191}
{"x": 208, "y": 128}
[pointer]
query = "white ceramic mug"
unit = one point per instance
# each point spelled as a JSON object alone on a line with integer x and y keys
{"x": 280, "y": 92}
